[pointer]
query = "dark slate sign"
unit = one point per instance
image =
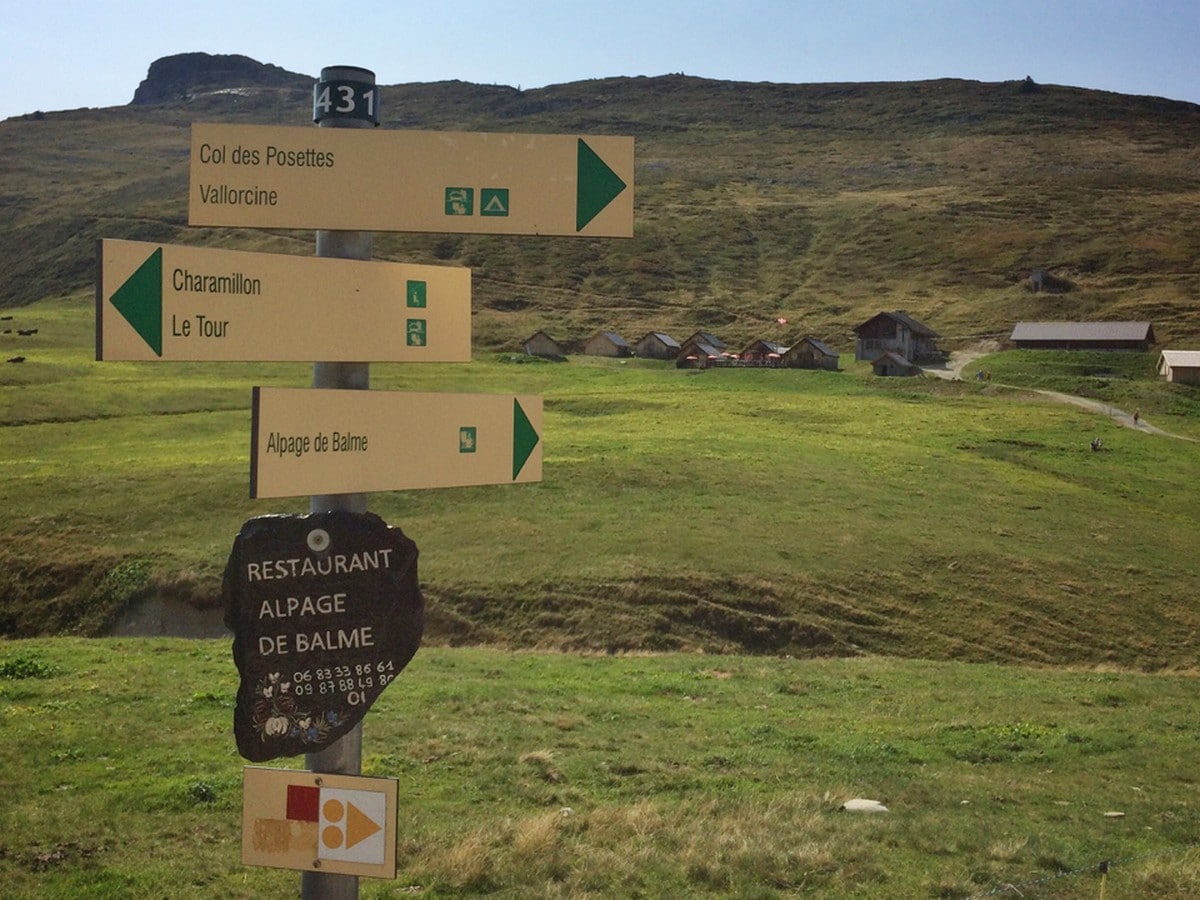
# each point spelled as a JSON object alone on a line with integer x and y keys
{"x": 325, "y": 611}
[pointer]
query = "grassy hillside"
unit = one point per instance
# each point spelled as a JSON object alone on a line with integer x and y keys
{"x": 781, "y": 511}
{"x": 821, "y": 203}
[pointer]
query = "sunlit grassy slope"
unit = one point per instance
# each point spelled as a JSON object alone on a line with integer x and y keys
{"x": 820, "y": 203}
{"x": 766, "y": 510}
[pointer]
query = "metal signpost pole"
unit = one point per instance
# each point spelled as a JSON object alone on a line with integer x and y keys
{"x": 345, "y": 97}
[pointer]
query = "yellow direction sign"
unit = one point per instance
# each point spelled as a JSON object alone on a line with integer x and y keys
{"x": 163, "y": 302}
{"x": 311, "y": 441}
{"x": 318, "y": 822}
{"x": 267, "y": 176}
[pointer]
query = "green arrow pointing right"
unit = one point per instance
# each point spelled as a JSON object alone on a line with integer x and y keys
{"x": 525, "y": 438}
{"x": 139, "y": 300}
{"x": 596, "y": 185}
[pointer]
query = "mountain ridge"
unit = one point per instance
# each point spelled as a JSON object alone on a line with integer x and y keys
{"x": 819, "y": 203}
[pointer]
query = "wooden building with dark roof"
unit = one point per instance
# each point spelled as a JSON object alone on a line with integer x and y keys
{"x": 762, "y": 353}
{"x": 607, "y": 343}
{"x": 656, "y": 345}
{"x": 897, "y": 332}
{"x": 541, "y": 344}
{"x": 697, "y": 353}
{"x": 810, "y": 353}
{"x": 707, "y": 337}
{"x": 892, "y": 365}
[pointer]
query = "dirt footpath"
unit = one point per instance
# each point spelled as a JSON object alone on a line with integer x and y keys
{"x": 962, "y": 359}
{"x": 1117, "y": 415}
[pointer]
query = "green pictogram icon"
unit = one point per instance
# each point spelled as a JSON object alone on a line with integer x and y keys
{"x": 415, "y": 332}
{"x": 414, "y": 294}
{"x": 460, "y": 201}
{"x": 466, "y": 439}
{"x": 493, "y": 201}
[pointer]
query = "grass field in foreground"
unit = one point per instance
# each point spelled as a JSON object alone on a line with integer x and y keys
{"x": 556, "y": 775}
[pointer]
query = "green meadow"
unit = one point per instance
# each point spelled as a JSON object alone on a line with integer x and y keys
{"x": 737, "y": 509}
{"x": 776, "y": 591}
{"x": 525, "y": 774}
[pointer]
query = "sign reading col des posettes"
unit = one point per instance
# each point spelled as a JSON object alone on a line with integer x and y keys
{"x": 325, "y": 610}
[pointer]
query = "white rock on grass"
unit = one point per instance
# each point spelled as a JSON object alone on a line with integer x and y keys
{"x": 858, "y": 804}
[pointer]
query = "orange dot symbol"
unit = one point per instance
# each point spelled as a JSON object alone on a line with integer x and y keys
{"x": 334, "y": 810}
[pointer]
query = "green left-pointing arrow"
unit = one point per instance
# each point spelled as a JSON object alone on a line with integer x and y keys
{"x": 525, "y": 439}
{"x": 139, "y": 300}
{"x": 596, "y": 185}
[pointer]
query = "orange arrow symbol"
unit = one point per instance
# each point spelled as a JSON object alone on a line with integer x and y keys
{"x": 359, "y": 826}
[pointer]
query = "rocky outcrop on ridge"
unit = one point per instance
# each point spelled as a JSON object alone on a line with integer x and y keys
{"x": 186, "y": 75}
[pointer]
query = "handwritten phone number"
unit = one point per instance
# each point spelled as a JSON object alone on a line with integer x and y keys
{"x": 342, "y": 679}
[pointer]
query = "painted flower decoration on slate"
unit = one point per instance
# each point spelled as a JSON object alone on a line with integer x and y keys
{"x": 275, "y": 714}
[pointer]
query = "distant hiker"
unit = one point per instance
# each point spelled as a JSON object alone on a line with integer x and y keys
{"x": 1095, "y": 444}
{"x": 979, "y": 375}
{"x": 1137, "y": 414}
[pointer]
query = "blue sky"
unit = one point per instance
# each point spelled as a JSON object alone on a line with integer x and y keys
{"x": 63, "y": 55}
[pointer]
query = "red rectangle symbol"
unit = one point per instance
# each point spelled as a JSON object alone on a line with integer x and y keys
{"x": 303, "y": 803}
